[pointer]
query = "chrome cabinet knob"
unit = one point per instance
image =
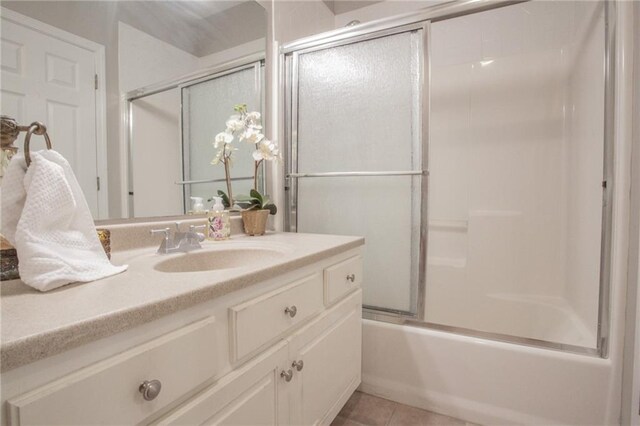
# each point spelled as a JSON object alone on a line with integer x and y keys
{"x": 291, "y": 310}
{"x": 298, "y": 365}
{"x": 150, "y": 389}
{"x": 287, "y": 375}
{"x": 351, "y": 277}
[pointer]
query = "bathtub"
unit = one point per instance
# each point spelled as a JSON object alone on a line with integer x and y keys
{"x": 484, "y": 381}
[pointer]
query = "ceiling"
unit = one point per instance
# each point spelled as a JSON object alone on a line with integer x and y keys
{"x": 200, "y": 27}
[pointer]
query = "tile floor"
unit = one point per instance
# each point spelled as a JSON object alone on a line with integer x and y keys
{"x": 367, "y": 410}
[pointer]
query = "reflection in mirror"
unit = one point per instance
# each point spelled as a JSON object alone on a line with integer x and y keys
{"x": 74, "y": 65}
{"x": 178, "y": 125}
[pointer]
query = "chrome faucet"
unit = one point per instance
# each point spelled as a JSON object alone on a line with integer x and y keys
{"x": 180, "y": 241}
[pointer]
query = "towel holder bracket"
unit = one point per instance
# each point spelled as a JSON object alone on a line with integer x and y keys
{"x": 10, "y": 129}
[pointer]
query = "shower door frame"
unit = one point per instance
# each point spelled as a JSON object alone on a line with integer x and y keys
{"x": 424, "y": 18}
{"x": 291, "y": 166}
{"x": 245, "y": 62}
{"x": 257, "y": 66}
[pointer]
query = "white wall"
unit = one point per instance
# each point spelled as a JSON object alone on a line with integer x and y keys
{"x": 251, "y": 48}
{"x": 297, "y": 19}
{"x": 382, "y": 10}
{"x": 146, "y": 60}
{"x": 157, "y": 155}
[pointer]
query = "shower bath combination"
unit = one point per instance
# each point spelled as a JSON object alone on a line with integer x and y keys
{"x": 488, "y": 131}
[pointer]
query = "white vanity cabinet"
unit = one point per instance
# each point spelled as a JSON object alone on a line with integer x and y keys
{"x": 284, "y": 352}
{"x": 254, "y": 394}
{"x": 326, "y": 362}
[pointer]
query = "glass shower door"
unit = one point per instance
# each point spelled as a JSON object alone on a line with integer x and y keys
{"x": 206, "y": 106}
{"x": 356, "y": 158}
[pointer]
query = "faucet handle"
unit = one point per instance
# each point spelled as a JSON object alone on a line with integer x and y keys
{"x": 166, "y": 233}
{"x": 163, "y": 231}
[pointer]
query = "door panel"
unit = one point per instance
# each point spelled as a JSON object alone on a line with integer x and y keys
{"x": 353, "y": 113}
{"x": 49, "y": 80}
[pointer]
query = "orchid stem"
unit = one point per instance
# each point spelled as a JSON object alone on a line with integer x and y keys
{"x": 255, "y": 174}
{"x": 228, "y": 179}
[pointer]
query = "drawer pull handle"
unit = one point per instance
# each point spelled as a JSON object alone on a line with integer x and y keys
{"x": 351, "y": 277}
{"x": 291, "y": 311}
{"x": 287, "y": 375}
{"x": 150, "y": 389}
{"x": 298, "y": 365}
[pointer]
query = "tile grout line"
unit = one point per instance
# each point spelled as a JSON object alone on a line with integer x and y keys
{"x": 395, "y": 407}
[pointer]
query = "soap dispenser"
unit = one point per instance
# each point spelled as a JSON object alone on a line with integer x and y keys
{"x": 218, "y": 225}
{"x": 197, "y": 206}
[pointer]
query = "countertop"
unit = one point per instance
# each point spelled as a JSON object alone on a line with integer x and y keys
{"x": 36, "y": 325}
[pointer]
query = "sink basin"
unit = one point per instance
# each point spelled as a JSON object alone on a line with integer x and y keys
{"x": 212, "y": 260}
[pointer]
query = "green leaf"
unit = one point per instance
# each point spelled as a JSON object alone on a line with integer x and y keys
{"x": 225, "y": 198}
{"x": 256, "y": 194}
{"x": 272, "y": 208}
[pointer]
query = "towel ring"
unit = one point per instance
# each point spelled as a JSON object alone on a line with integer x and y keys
{"x": 39, "y": 129}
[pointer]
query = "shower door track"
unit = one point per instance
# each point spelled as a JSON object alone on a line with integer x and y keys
{"x": 423, "y": 19}
{"x": 356, "y": 174}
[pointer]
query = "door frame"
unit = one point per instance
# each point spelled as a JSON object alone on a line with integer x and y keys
{"x": 98, "y": 52}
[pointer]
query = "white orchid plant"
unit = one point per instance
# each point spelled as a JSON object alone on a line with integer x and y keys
{"x": 246, "y": 127}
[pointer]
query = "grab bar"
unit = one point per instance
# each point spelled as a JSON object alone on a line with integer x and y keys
{"x": 348, "y": 174}
{"x": 188, "y": 182}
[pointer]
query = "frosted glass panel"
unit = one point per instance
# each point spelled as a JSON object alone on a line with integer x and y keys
{"x": 379, "y": 208}
{"x": 359, "y": 113}
{"x": 356, "y": 111}
{"x": 516, "y": 167}
{"x": 206, "y": 108}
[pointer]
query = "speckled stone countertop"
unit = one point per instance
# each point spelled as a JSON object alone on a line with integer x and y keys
{"x": 36, "y": 325}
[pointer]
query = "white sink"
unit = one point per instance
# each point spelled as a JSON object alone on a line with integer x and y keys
{"x": 213, "y": 260}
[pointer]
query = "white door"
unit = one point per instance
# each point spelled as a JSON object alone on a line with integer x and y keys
{"x": 53, "y": 81}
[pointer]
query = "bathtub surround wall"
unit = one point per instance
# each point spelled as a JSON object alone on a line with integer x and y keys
{"x": 515, "y": 193}
{"x": 582, "y": 165}
{"x": 631, "y": 372}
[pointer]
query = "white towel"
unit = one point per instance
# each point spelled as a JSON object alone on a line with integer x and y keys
{"x": 46, "y": 218}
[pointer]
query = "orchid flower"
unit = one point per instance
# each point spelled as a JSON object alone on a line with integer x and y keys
{"x": 247, "y": 127}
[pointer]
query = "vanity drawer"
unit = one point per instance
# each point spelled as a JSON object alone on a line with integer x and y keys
{"x": 342, "y": 278}
{"x": 259, "y": 321}
{"x": 108, "y": 392}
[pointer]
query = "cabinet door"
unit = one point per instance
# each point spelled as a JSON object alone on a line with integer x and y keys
{"x": 330, "y": 351}
{"x": 254, "y": 394}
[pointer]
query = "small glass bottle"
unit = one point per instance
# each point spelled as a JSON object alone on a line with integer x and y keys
{"x": 218, "y": 225}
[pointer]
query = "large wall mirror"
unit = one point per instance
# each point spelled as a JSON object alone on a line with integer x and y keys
{"x": 134, "y": 92}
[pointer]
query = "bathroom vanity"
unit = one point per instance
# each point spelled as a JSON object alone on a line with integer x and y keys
{"x": 247, "y": 331}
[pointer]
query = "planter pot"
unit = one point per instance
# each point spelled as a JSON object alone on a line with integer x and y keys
{"x": 255, "y": 221}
